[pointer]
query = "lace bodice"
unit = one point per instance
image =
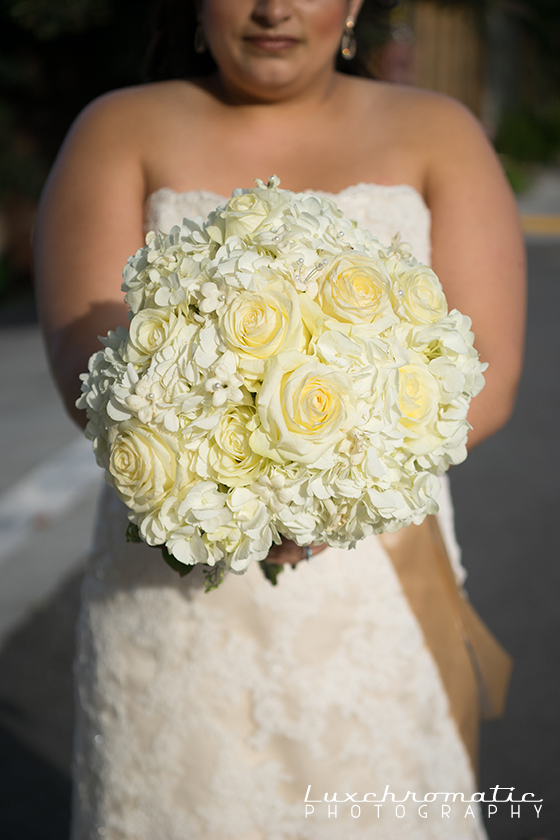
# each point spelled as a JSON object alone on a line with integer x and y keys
{"x": 384, "y": 210}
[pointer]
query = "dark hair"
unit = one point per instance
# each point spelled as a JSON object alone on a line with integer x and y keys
{"x": 171, "y": 54}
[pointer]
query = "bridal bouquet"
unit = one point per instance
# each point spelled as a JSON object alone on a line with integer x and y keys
{"x": 283, "y": 374}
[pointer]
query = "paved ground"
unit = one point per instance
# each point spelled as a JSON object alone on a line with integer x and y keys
{"x": 506, "y": 494}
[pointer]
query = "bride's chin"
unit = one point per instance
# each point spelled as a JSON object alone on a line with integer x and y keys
{"x": 266, "y": 93}
{"x": 269, "y": 80}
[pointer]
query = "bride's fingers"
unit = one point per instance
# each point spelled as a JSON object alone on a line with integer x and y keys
{"x": 290, "y": 552}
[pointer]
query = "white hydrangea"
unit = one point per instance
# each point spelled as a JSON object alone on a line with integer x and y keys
{"x": 283, "y": 374}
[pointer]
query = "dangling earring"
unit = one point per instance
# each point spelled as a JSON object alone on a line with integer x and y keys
{"x": 348, "y": 45}
{"x": 200, "y": 45}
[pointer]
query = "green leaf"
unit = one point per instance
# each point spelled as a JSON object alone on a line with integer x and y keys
{"x": 214, "y": 577}
{"x": 271, "y": 571}
{"x": 132, "y": 534}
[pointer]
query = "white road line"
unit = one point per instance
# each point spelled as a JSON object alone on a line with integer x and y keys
{"x": 46, "y": 493}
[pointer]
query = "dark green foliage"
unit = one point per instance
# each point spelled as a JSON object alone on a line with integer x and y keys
{"x": 50, "y": 18}
{"x": 55, "y": 57}
{"x": 517, "y": 174}
{"x": 529, "y": 135}
{"x": 271, "y": 571}
{"x": 213, "y": 577}
{"x": 540, "y": 20}
{"x": 132, "y": 533}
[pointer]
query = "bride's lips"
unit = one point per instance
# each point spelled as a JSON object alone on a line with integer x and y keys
{"x": 271, "y": 43}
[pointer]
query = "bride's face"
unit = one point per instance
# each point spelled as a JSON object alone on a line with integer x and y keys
{"x": 271, "y": 49}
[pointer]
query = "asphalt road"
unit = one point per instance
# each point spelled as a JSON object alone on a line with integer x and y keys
{"x": 506, "y": 495}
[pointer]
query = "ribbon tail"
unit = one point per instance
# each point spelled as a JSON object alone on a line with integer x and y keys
{"x": 474, "y": 667}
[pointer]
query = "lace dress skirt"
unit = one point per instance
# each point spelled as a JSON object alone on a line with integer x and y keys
{"x": 206, "y": 716}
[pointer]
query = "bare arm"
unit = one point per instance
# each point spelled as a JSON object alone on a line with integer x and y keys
{"x": 479, "y": 255}
{"x": 89, "y": 222}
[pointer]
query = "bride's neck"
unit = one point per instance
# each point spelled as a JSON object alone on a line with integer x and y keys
{"x": 290, "y": 101}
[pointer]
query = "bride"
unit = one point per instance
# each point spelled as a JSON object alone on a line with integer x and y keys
{"x": 234, "y": 714}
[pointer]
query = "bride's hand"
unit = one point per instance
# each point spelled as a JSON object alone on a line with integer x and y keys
{"x": 291, "y": 552}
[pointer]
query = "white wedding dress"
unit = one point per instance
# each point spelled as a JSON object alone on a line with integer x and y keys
{"x": 207, "y": 716}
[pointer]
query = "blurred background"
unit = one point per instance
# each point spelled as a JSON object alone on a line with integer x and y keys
{"x": 500, "y": 57}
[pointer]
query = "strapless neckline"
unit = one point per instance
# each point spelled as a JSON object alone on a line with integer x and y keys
{"x": 347, "y": 191}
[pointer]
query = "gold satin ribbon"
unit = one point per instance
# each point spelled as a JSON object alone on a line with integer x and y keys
{"x": 475, "y": 669}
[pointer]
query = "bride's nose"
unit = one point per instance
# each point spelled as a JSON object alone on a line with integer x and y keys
{"x": 271, "y": 13}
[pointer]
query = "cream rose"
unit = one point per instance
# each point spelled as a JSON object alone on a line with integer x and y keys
{"x": 231, "y": 459}
{"x": 418, "y": 397}
{"x": 143, "y": 465}
{"x": 422, "y": 296}
{"x": 356, "y": 288}
{"x": 304, "y": 407}
{"x": 149, "y": 331}
{"x": 259, "y": 325}
{"x": 243, "y": 214}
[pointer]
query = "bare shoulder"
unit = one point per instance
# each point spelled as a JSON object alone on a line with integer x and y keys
{"x": 133, "y": 111}
{"x": 421, "y": 104}
{"x": 429, "y": 128}
{"x": 115, "y": 139}
{"x": 159, "y": 95}
{"x": 461, "y": 174}
{"x": 447, "y": 130}
{"x": 411, "y": 107}
{"x": 106, "y": 130}
{"x": 448, "y": 138}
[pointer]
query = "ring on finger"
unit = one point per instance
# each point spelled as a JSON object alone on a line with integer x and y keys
{"x": 307, "y": 552}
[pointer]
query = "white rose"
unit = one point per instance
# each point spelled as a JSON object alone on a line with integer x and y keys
{"x": 231, "y": 459}
{"x": 304, "y": 407}
{"x": 356, "y": 288}
{"x": 259, "y": 325}
{"x": 243, "y": 214}
{"x": 143, "y": 465}
{"x": 421, "y": 295}
{"x": 419, "y": 402}
{"x": 149, "y": 331}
